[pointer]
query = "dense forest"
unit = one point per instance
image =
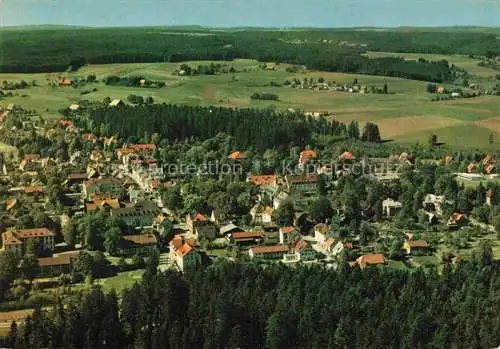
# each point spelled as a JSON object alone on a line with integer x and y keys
{"x": 329, "y": 50}
{"x": 251, "y": 306}
{"x": 259, "y": 129}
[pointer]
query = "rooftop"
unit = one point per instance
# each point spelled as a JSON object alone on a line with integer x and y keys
{"x": 141, "y": 239}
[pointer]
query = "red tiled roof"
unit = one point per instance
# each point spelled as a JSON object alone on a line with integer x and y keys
{"x": 184, "y": 250}
{"x": 236, "y": 155}
{"x": 457, "y": 216}
{"x": 31, "y": 157}
{"x": 306, "y": 155}
{"x": 141, "y": 239}
{"x": 489, "y": 169}
{"x": 199, "y": 218}
{"x": 270, "y": 249}
{"x": 33, "y": 189}
{"x": 9, "y": 239}
{"x": 471, "y": 168}
{"x": 143, "y": 146}
{"x": 487, "y": 160}
{"x": 263, "y": 180}
{"x": 176, "y": 242}
{"x": 370, "y": 259}
{"x": 347, "y": 156}
{"x": 300, "y": 246}
{"x": 347, "y": 244}
{"x": 299, "y": 179}
{"x": 247, "y": 235}
{"x": 27, "y": 233}
{"x": 15, "y": 315}
{"x": 287, "y": 230}
{"x": 66, "y": 123}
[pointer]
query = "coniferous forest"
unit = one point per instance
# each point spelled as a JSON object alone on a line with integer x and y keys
{"x": 257, "y": 128}
{"x": 252, "y": 306}
{"x": 327, "y": 49}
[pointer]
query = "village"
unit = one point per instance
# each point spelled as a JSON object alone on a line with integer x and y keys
{"x": 125, "y": 184}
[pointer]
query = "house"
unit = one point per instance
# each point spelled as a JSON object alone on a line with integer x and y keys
{"x": 185, "y": 255}
{"x": 411, "y": 245}
{"x": 74, "y": 107}
{"x": 261, "y": 214}
{"x": 34, "y": 189}
{"x": 305, "y": 156}
{"x": 200, "y": 226}
{"x": 228, "y": 229}
{"x": 440, "y": 89}
{"x": 301, "y": 249}
{"x": 139, "y": 216}
{"x": 19, "y": 316}
{"x": 300, "y": 185}
{"x": 77, "y": 178}
{"x": 489, "y": 169}
{"x": 96, "y": 156}
{"x": 65, "y": 82}
{"x": 347, "y": 156}
{"x": 236, "y": 156}
{"x": 434, "y": 204}
{"x": 264, "y": 181}
{"x": 321, "y": 232}
{"x": 140, "y": 243}
{"x": 471, "y": 168}
{"x": 340, "y": 247}
{"x": 103, "y": 201}
{"x": 116, "y": 103}
{"x": 457, "y": 220}
{"x": 287, "y": 234}
{"x": 10, "y": 204}
{"x": 268, "y": 252}
{"x": 369, "y": 260}
{"x": 102, "y": 185}
{"x": 329, "y": 244}
{"x": 16, "y": 241}
{"x": 245, "y": 237}
{"x": 390, "y": 207}
{"x": 488, "y": 159}
{"x": 55, "y": 266}
{"x": 145, "y": 149}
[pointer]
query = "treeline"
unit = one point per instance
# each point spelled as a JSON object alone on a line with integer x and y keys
{"x": 330, "y": 50}
{"x": 248, "y": 306}
{"x": 258, "y": 129}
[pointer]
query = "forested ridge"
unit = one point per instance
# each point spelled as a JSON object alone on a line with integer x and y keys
{"x": 251, "y": 306}
{"x": 329, "y": 50}
{"x": 252, "y": 128}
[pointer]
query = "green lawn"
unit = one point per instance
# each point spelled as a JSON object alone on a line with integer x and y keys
{"x": 121, "y": 281}
{"x": 460, "y": 136}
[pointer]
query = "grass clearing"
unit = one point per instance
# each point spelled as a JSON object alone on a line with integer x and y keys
{"x": 121, "y": 281}
{"x": 460, "y": 136}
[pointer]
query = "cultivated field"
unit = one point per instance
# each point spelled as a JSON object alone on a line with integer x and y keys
{"x": 407, "y": 115}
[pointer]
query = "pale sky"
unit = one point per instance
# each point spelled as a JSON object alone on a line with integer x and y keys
{"x": 268, "y": 13}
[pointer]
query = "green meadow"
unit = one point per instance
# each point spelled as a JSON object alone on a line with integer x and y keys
{"x": 407, "y": 114}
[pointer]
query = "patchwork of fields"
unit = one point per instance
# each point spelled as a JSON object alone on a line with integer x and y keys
{"x": 406, "y": 115}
